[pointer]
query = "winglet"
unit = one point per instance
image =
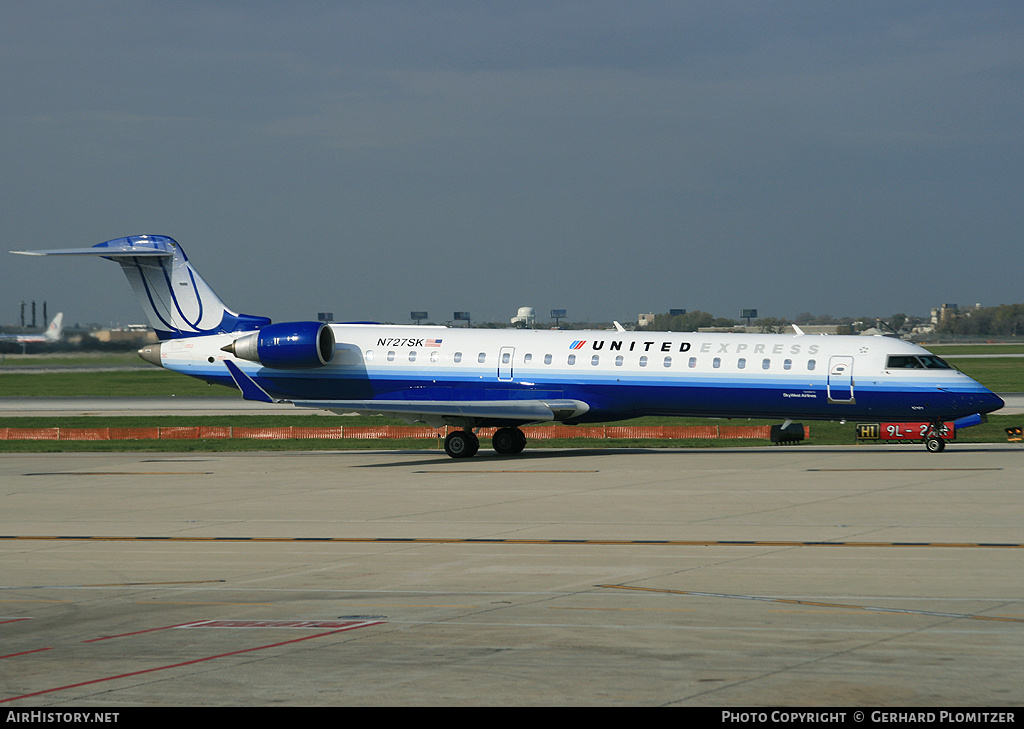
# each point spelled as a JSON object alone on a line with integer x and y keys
{"x": 250, "y": 390}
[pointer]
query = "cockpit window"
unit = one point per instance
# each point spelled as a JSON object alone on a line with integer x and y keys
{"x": 903, "y": 362}
{"x": 916, "y": 362}
{"x": 931, "y": 362}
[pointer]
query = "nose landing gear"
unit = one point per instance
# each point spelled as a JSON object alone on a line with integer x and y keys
{"x": 934, "y": 442}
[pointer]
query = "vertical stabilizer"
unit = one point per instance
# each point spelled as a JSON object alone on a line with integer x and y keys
{"x": 55, "y": 332}
{"x": 176, "y": 299}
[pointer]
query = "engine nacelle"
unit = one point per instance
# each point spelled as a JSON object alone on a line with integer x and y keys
{"x": 287, "y": 346}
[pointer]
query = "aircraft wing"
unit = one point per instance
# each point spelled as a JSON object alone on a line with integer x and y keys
{"x": 434, "y": 412}
{"x": 441, "y": 412}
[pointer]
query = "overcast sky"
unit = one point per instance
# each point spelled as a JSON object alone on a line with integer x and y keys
{"x": 608, "y": 158}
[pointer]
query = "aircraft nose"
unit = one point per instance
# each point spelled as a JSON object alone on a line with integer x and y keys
{"x": 990, "y": 402}
{"x": 151, "y": 353}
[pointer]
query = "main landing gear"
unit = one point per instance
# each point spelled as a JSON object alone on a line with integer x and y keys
{"x": 465, "y": 444}
{"x": 461, "y": 444}
{"x": 508, "y": 441}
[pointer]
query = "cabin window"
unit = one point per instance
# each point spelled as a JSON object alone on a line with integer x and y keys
{"x": 643, "y": 361}
{"x": 618, "y": 361}
{"x": 594, "y": 360}
{"x": 527, "y": 358}
{"x": 457, "y": 358}
{"x": 434, "y": 356}
{"x": 482, "y": 357}
{"x": 787, "y": 364}
{"x": 811, "y": 364}
{"x": 506, "y": 358}
{"x": 547, "y": 359}
{"x": 692, "y": 362}
{"x": 717, "y": 362}
{"x": 742, "y": 363}
{"x": 391, "y": 356}
{"x": 667, "y": 362}
{"x": 766, "y": 364}
{"x": 412, "y": 355}
{"x": 572, "y": 359}
{"x": 369, "y": 355}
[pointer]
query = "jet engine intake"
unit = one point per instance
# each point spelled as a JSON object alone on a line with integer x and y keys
{"x": 288, "y": 345}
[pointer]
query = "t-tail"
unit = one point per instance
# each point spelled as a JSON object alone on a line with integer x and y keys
{"x": 176, "y": 299}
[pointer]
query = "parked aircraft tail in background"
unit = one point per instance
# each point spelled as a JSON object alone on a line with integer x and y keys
{"x": 53, "y": 333}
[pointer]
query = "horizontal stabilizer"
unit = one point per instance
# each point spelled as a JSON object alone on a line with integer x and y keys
{"x": 122, "y": 251}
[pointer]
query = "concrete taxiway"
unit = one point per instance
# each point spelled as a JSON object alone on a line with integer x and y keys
{"x": 798, "y": 576}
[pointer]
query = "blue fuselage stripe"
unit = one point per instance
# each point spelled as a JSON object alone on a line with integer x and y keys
{"x": 614, "y": 398}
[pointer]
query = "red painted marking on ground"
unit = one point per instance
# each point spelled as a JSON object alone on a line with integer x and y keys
{"x": 139, "y": 632}
{"x": 189, "y": 663}
{"x": 272, "y": 624}
{"x": 25, "y": 653}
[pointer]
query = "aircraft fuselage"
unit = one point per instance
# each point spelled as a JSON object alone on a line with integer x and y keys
{"x": 618, "y": 374}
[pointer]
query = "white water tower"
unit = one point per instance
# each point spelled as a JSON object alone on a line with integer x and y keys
{"x": 526, "y": 316}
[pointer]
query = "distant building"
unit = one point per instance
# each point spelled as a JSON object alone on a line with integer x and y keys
{"x": 526, "y": 316}
{"x": 133, "y": 333}
{"x": 645, "y": 320}
{"x": 944, "y": 313}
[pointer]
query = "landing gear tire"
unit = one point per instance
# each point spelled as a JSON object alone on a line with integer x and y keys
{"x": 935, "y": 444}
{"x": 508, "y": 441}
{"x": 461, "y": 444}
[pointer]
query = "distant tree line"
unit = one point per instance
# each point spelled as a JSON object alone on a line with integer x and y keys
{"x": 691, "y": 321}
{"x": 688, "y": 322}
{"x": 1006, "y": 320}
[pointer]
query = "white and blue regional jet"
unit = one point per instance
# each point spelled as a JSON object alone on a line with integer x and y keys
{"x": 472, "y": 378}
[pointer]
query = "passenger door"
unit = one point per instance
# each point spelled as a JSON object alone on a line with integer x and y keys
{"x": 840, "y": 379}
{"x": 505, "y": 357}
